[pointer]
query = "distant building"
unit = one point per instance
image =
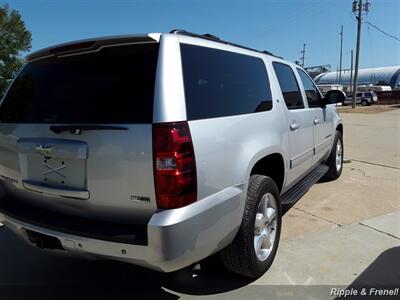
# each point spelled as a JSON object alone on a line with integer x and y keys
{"x": 389, "y": 76}
{"x": 316, "y": 70}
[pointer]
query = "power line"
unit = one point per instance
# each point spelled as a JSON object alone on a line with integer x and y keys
{"x": 382, "y": 31}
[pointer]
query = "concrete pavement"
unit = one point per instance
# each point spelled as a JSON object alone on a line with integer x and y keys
{"x": 361, "y": 254}
{"x": 334, "y": 257}
{"x": 373, "y": 138}
{"x": 363, "y": 191}
{"x": 369, "y": 185}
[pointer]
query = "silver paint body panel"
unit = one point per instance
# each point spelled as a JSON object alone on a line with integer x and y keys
{"x": 120, "y": 164}
{"x": 119, "y": 161}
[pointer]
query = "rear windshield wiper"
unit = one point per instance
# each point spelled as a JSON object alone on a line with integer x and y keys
{"x": 77, "y": 129}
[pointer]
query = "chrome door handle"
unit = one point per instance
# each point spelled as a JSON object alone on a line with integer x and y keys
{"x": 316, "y": 121}
{"x": 294, "y": 126}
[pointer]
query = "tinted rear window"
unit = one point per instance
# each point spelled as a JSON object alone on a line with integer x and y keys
{"x": 114, "y": 85}
{"x": 220, "y": 83}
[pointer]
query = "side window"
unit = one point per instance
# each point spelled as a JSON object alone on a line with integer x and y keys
{"x": 220, "y": 83}
{"x": 312, "y": 94}
{"x": 359, "y": 95}
{"x": 289, "y": 87}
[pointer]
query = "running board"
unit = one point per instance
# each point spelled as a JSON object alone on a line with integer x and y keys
{"x": 297, "y": 191}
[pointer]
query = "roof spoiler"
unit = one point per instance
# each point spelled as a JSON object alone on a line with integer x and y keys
{"x": 90, "y": 45}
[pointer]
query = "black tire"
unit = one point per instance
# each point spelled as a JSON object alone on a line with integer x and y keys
{"x": 364, "y": 103}
{"x": 333, "y": 172}
{"x": 240, "y": 256}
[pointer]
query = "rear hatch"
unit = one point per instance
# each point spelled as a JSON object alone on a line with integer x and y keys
{"x": 76, "y": 133}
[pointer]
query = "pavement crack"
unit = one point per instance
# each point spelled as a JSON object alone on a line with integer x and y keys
{"x": 318, "y": 217}
{"x": 385, "y": 233}
{"x": 361, "y": 171}
{"x": 374, "y": 164}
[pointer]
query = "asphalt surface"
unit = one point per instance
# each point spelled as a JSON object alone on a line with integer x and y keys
{"x": 343, "y": 234}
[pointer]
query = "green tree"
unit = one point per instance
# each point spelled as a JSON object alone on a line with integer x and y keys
{"x": 14, "y": 38}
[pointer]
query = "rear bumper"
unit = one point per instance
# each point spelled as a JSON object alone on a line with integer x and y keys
{"x": 175, "y": 238}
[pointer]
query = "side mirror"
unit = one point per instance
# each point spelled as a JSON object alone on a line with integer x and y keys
{"x": 334, "y": 96}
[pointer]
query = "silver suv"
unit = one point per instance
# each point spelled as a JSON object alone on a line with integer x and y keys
{"x": 162, "y": 149}
{"x": 363, "y": 98}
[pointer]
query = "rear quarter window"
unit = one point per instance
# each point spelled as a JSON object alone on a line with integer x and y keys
{"x": 220, "y": 83}
{"x": 113, "y": 85}
{"x": 289, "y": 86}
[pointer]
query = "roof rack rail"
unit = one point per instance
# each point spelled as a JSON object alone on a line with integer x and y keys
{"x": 214, "y": 38}
{"x": 206, "y": 36}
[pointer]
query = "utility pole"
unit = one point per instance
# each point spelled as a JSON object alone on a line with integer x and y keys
{"x": 303, "y": 55}
{"x": 351, "y": 71}
{"x": 358, "y": 7}
{"x": 341, "y": 51}
{"x": 337, "y": 74}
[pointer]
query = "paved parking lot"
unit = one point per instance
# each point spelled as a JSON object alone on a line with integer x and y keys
{"x": 342, "y": 233}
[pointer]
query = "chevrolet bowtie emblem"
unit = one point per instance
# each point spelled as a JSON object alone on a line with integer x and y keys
{"x": 44, "y": 149}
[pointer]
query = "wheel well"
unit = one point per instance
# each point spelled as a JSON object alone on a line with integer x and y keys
{"x": 272, "y": 166}
{"x": 340, "y": 129}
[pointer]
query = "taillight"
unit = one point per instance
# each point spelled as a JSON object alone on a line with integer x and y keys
{"x": 174, "y": 165}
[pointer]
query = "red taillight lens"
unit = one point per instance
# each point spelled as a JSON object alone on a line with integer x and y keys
{"x": 174, "y": 165}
